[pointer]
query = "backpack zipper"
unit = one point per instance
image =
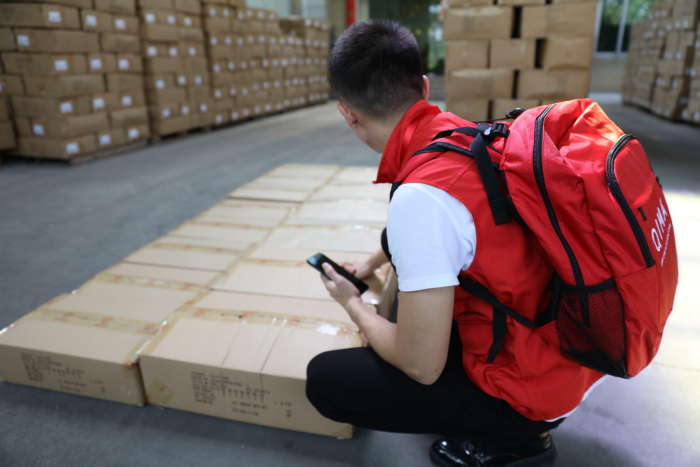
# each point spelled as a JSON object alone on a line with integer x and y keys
{"x": 614, "y": 186}
{"x": 539, "y": 176}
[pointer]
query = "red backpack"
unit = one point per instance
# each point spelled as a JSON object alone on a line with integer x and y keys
{"x": 588, "y": 194}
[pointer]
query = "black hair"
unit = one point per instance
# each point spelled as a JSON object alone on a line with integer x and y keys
{"x": 376, "y": 67}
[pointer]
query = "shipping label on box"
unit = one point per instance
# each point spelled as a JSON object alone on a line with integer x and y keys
{"x": 480, "y": 84}
{"x": 102, "y": 63}
{"x": 96, "y": 21}
{"x": 44, "y": 41}
{"x": 43, "y": 64}
{"x": 253, "y": 368}
{"x": 125, "y": 24}
{"x": 110, "y": 138}
{"x": 512, "y": 53}
{"x": 41, "y": 16}
{"x": 550, "y": 86}
{"x": 567, "y": 53}
{"x": 63, "y": 85}
{"x": 573, "y": 20}
{"x": 466, "y": 54}
{"x": 488, "y": 22}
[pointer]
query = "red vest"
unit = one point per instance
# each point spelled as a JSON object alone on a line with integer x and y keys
{"x": 530, "y": 372}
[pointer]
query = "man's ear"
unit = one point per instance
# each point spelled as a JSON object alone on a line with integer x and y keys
{"x": 426, "y": 88}
{"x": 347, "y": 113}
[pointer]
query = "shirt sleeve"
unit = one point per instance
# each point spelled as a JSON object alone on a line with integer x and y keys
{"x": 431, "y": 235}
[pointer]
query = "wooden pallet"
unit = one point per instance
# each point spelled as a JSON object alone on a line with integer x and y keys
{"x": 84, "y": 158}
{"x": 156, "y": 138}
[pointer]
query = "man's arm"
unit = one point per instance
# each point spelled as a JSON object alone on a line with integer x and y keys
{"x": 417, "y": 344}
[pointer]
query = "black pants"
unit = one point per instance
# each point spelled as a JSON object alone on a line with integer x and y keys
{"x": 356, "y": 386}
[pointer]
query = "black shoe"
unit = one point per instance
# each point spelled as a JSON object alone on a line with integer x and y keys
{"x": 452, "y": 453}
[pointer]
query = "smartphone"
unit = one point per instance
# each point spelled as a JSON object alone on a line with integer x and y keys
{"x": 317, "y": 260}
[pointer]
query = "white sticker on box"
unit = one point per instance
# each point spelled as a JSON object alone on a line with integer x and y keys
{"x": 187, "y": 20}
{"x": 91, "y": 20}
{"x": 226, "y": 12}
{"x": 217, "y": 68}
{"x": 95, "y": 63}
{"x": 60, "y": 64}
{"x": 266, "y": 85}
{"x": 124, "y": 64}
{"x": 213, "y": 40}
{"x": 232, "y": 92}
{"x": 165, "y": 113}
{"x": 119, "y": 23}
{"x": 227, "y": 40}
{"x": 160, "y": 84}
{"x": 219, "y": 118}
{"x": 192, "y": 51}
{"x": 127, "y": 101}
{"x": 98, "y": 103}
{"x": 173, "y": 51}
{"x": 217, "y": 94}
{"x": 182, "y": 80}
{"x": 203, "y": 108}
{"x": 23, "y": 41}
{"x": 171, "y": 19}
{"x": 212, "y": 11}
{"x": 234, "y": 115}
{"x": 38, "y": 129}
{"x": 105, "y": 140}
{"x": 72, "y": 148}
{"x": 66, "y": 107}
{"x": 152, "y": 51}
{"x": 244, "y": 65}
{"x": 244, "y": 91}
{"x": 185, "y": 110}
{"x": 150, "y": 18}
{"x": 133, "y": 133}
{"x": 198, "y": 80}
{"x": 55, "y": 17}
{"x": 240, "y": 42}
{"x": 231, "y": 66}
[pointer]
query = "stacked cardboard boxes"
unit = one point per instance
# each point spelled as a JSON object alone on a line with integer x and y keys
{"x": 175, "y": 65}
{"x": 663, "y": 65}
{"x": 221, "y": 315}
{"x": 307, "y": 74}
{"x": 75, "y": 77}
{"x": 516, "y": 53}
{"x": 7, "y": 132}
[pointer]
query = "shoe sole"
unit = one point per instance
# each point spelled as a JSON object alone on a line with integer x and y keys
{"x": 546, "y": 458}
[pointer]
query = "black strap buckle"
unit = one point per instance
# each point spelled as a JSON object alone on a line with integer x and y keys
{"x": 497, "y": 129}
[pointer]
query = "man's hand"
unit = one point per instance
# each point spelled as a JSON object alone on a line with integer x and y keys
{"x": 360, "y": 269}
{"x": 341, "y": 289}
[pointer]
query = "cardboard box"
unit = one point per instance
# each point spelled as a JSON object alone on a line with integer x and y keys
{"x": 253, "y": 368}
{"x": 157, "y": 4}
{"x": 102, "y": 63}
{"x": 480, "y": 84}
{"x": 159, "y": 32}
{"x": 567, "y": 53}
{"x": 112, "y": 138}
{"x": 213, "y": 255}
{"x": 572, "y": 20}
{"x": 513, "y": 53}
{"x": 103, "y": 101}
{"x": 88, "y": 342}
{"x": 158, "y": 65}
{"x": 7, "y": 40}
{"x": 466, "y": 54}
{"x": 125, "y": 24}
{"x": 56, "y": 148}
{"x": 43, "y": 41}
{"x": 325, "y": 238}
{"x": 120, "y": 43}
{"x": 43, "y": 64}
{"x": 334, "y": 192}
{"x": 188, "y": 6}
{"x": 11, "y": 85}
{"x": 129, "y": 117}
{"x": 124, "y": 82}
{"x": 63, "y": 85}
{"x": 39, "y": 16}
{"x": 61, "y": 127}
{"x": 501, "y": 107}
{"x": 125, "y": 272}
{"x": 243, "y": 236}
{"x": 7, "y": 136}
{"x": 96, "y": 21}
{"x": 247, "y": 213}
{"x": 124, "y": 7}
{"x": 552, "y": 86}
{"x": 487, "y": 22}
{"x": 137, "y": 132}
{"x": 129, "y": 99}
{"x": 171, "y": 125}
{"x": 283, "y": 188}
{"x": 470, "y": 109}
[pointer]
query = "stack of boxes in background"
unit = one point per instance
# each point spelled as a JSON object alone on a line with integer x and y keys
{"x": 177, "y": 82}
{"x": 76, "y": 88}
{"x": 7, "y": 132}
{"x": 519, "y": 53}
{"x": 663, "y": 65}
{"x": 307, "y": 53}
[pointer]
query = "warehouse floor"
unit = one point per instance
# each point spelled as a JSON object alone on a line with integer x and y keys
{"x": 61, "y": 225}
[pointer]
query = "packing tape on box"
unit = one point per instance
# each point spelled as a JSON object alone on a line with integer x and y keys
{"x": 95, "y": 320}
{"x": 145, "y": 282}
{"x": 188, "y": 247}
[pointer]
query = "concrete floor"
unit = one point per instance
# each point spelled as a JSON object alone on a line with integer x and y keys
{"x": 61, "y": 225}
